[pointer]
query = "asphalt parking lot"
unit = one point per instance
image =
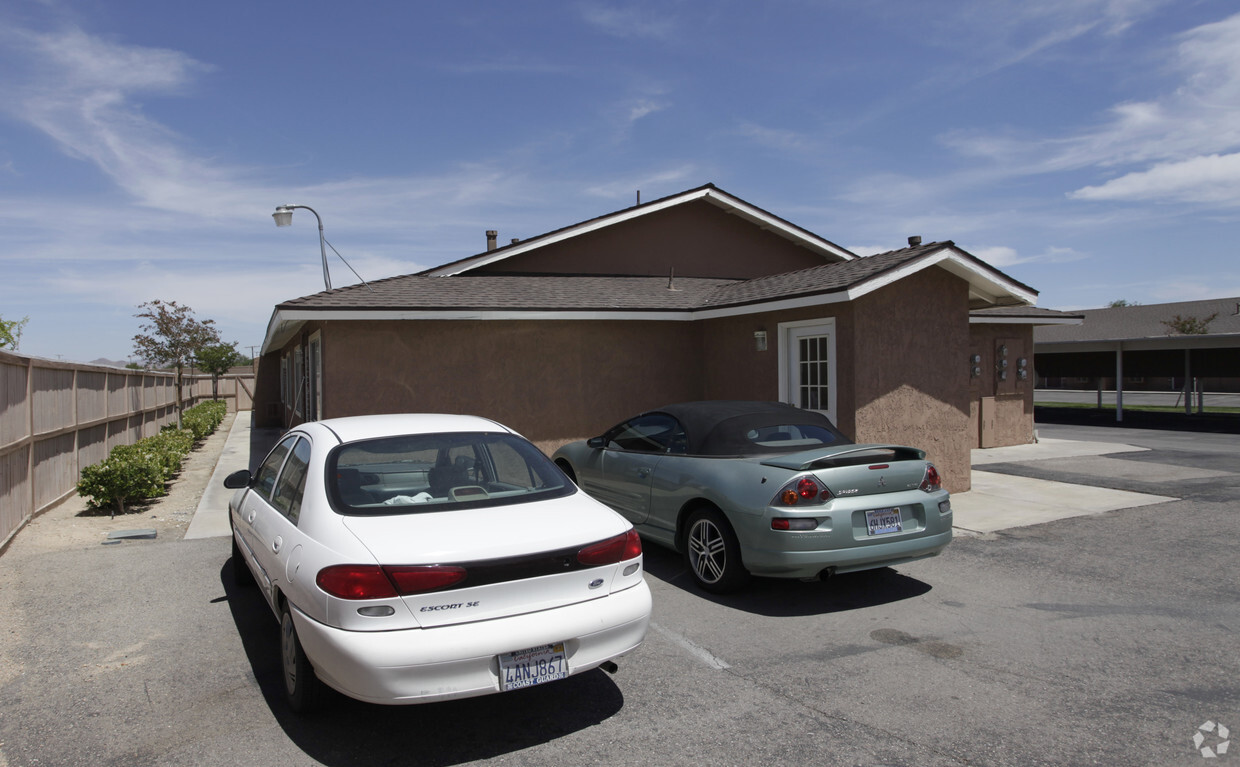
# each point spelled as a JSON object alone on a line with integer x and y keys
{"x": 1105, "y": 637}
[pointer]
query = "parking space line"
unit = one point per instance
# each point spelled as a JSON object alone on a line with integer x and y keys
{"x": 700, "y": 653}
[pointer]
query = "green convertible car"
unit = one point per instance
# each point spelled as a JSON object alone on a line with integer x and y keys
{"x": 763, "y": 488}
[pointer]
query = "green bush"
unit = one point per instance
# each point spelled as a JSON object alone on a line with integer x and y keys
{"x": 139, "y": 471}
{"x": 130, "y": 472}
{"x": 170, "y": 447}
{"x": 204, "y": 418}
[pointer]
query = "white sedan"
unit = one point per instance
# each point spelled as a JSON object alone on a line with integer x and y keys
{"x": 415, "y": 558}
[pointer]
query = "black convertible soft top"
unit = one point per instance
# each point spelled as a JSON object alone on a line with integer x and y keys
{"x": 725, "y": 427}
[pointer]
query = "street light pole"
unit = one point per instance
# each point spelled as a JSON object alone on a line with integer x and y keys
{"x": 284, "y": 217}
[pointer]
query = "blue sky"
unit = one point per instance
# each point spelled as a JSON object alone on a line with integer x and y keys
{"x": 1088, "y": 148}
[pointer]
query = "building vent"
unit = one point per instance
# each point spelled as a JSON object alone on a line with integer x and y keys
{"x": 492, "y": 239}
{"x": 914, "y": 241}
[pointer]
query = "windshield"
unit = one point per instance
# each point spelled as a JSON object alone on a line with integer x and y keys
{"x": 416, "y": 473}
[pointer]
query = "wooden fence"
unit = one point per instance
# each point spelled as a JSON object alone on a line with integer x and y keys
{"x": 58, "y": 417}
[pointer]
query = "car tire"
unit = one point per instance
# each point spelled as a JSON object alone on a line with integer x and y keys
{"x": 712, "y": 552}
{"x": 302, "y": 689}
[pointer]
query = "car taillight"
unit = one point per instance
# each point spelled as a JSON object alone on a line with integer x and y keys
{"x": 931, "y": 482}
{"x": 802, "y": 490}
{"x": 609, "y": 552}
{"x": 418, "y": 579}
{"x": 375, "y": 582}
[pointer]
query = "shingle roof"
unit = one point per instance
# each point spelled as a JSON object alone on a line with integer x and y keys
{"x": 526, "y": 292}
{"x": 592, "y": 292}
{"x": 1143, "y": 321}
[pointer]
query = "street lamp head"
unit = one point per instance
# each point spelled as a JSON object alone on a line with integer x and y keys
{"x": 283, "y": 215}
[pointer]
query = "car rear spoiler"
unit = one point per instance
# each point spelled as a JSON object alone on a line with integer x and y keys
{"x": 847, "y": 455}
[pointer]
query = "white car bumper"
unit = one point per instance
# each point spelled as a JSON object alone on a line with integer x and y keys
{"x": 461, "y": 660}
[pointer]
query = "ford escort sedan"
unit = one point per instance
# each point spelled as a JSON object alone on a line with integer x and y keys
{"x": 414, "y": 558}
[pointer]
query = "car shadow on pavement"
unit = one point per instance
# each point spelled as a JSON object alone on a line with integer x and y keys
{"x": 782, "y": 597}
{"x": 348, "y": 732}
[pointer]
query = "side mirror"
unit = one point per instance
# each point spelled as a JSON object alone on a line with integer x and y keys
{"x": 598, "y": 443}
{"x": 237, "y": 480}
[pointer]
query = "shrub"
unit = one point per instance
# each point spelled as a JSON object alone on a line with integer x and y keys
{"x": 129, "y": 472}
{"x": 138, "y": 471}
{"x": 169, "y": 447}
{"x": 204, "y": 418}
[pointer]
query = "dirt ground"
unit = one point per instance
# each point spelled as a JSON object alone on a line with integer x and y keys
{"x": 74, "y": 524}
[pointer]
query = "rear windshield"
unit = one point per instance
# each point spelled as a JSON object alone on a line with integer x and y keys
{"x": 748, "y": 436}
{"x": 440, "y": 472}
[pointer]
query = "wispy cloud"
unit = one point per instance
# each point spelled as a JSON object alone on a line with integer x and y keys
{"x": 1183, "y": 137}
{"x": 628, "y": 22}
{"x": 775, "y": 138}
{"x": 664, "y": 181}
{"x": 1212, "y": 179}
{"x": 1004, "y": 256}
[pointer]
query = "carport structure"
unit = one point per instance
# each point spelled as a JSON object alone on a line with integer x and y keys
{"x": 1145, "y": 347}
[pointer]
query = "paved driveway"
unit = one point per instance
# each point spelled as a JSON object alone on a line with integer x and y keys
{"x": 1107, "y": 638}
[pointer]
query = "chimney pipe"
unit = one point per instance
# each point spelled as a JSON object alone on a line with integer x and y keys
{"x": 492, "y": 239}
{"x": 914, "y": 241}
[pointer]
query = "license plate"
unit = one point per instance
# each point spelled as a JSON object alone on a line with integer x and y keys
{"x": 536, "y": 665}
{"x": 883, "y": 522}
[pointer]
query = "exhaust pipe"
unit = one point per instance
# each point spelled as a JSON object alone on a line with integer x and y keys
{"x": 609, "y": 666}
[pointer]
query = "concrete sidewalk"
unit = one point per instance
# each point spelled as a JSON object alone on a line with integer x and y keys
{"x": 243, "y": 449}
{"x": 995, "y": 502}
{"x": 1001, "y": 501}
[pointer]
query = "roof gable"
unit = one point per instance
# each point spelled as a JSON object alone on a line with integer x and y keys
{"x": 513, "y": 255}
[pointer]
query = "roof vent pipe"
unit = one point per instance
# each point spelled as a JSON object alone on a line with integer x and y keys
{"x": 914, "y": 241}
{"x": 492, "y": 239}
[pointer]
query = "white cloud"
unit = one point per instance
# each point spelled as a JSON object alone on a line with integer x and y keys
{"x": 1210, "y": 179}
{"x": 644, "y": 108}
{"x": 775, "y": 138}
{"x": 627, "y": 22}
{"x": 663, "y": 180}
{"x": 1182, "y": 136}
{"x": 1004, "y": 256}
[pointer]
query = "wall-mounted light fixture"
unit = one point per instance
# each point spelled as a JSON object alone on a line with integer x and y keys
{"x": 759, "y": 340}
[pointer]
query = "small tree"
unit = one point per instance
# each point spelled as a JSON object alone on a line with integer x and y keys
{"x": 1188, "y": 326}
{"x": 216, "y": 359}
{"x": 1120, "y": 303}
{"x": 172, "y": 337}
{"x": 11, "y": 332}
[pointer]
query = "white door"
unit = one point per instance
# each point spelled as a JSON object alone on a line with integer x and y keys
{"x": 807, "y": 365}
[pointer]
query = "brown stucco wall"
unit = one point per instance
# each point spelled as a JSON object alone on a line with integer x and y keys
{"x": 553, "y": 381}
{"x": 911, "y": 383}
{"x": 698, "y": 239}
{"x": 1012, "y": 422}
{"x": 902, "y": 372}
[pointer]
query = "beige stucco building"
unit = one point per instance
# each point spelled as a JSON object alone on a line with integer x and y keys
{"x": 700, "y": 295}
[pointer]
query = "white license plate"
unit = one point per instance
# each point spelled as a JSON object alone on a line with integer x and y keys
{"x": 536, "y": 665}
{"x": 883, "y": 522}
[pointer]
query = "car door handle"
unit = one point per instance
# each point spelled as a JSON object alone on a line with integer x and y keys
{"x": 276, "y": 544}
{"x": 250, "y": 517}
{"x": 643, "y": 473}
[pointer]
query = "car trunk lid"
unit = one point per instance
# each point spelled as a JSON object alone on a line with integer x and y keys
{"x": 518, "y": 558}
